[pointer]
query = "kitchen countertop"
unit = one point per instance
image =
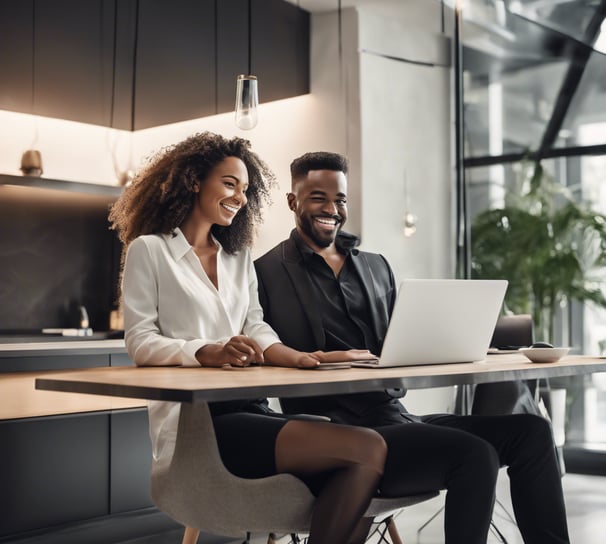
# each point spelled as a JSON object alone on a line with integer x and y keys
{"x": 22, "y": 362}
{"x": 67, "y": 347}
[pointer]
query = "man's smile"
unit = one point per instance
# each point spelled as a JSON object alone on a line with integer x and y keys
{"x": 327, "y": 222}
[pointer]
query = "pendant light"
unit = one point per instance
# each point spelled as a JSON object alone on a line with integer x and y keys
{"x": 247, "y": 95}
{"x": 409, "y": 221}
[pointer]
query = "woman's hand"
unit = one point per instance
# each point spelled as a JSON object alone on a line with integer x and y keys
{"x": 237, "y": 351}
{"x": 344, "y": 355}
{"x": 306, "y": 360}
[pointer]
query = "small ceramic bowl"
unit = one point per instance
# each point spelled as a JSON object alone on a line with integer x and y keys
{"x": 545, "y": 355}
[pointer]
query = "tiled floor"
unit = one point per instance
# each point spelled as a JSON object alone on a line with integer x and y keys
{"x": 585, "y": 502}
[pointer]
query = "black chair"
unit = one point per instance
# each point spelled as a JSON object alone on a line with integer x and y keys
{"x": 513, "y": 397}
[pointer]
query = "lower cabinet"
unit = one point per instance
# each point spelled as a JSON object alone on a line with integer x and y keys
{"x": 66, "y": 469}
{"x": 130, "y": 461}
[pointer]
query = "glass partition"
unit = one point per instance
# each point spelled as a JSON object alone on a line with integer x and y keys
{"x": 535, "y": 170}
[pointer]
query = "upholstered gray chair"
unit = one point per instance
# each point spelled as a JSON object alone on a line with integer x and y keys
{"x": 197, "y": 490}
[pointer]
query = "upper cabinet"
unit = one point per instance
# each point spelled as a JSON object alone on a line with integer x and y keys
{"x": 73, "y": 59}
{"x": 278, "y": 38}
{"x": 175, "y": 63}
{"x": 78, "y": 60}
{"x": 56, "y": 58}
{"x": 280, "y": 49}
{"x": 16, "y": 55}
{"x": 232, "y": 50}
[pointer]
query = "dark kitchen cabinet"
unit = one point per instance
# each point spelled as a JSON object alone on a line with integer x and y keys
{"x": 191, "y": 70}
{"x": 175, "y": 62}
{"x": 121, "y": 116}
{"x": 80, "y": 61}
{"x": 62, "y": 470}
{"x": 232, "y": 50}
{"x": 73, "y": 59}
{"x": 280, "y": 49}
{"x": 74, "y": 477}
{"x": 130, "y": 460}
{"x": 53, "y": 470}
{"x": 56, "y": 58}
{"x": 16, "y": 57}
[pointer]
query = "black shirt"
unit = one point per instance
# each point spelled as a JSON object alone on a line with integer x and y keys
{"x": 347, "y": 325}
{"x": 344, "y": 311}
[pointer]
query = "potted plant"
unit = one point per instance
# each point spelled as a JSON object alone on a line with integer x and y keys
{"x": 547, "y": 245}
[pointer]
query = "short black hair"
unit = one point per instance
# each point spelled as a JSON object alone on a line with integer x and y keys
{"x": 317, "y": 160}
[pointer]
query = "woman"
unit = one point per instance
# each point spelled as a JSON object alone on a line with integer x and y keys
{"x": 190, "y": 298}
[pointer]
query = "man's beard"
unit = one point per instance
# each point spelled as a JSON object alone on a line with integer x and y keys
{"x": 319, "y": 239}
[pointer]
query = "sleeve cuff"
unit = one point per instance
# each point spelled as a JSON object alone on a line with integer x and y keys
{"x": 189, "y": 351}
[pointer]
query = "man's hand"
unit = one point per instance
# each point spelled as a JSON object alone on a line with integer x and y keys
{"x": 237, "y": 351}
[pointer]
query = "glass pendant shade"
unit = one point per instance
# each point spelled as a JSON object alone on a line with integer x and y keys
{"x": 247, "y": 102}
{"x": 410, "y": 224}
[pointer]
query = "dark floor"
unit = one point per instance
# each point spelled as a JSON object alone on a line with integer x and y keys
{"x": 142, "y": 527}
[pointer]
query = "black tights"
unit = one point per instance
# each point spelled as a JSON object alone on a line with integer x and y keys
{"x": 463, "y": 454}
{"x": 352, "y": 458}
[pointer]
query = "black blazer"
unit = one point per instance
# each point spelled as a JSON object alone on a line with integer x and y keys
{"x": 290, "y": 305}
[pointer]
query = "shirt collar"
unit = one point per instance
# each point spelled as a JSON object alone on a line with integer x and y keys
{"x": 306, "y": 252}
{"x": 178, "y": 244}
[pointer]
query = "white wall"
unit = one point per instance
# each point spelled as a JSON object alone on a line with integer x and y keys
{"x": 79, "y": 152}
{"x": 406, "y": 131}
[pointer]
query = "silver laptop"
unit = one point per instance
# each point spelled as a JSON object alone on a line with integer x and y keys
{"x": 441, "y": 321}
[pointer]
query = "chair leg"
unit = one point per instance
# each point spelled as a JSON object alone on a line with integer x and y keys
{"x": 434, "y": 516}
{"x": 393, "y": 532}
{"x": 498, "y": 533}
{"x": 190, "y": 536}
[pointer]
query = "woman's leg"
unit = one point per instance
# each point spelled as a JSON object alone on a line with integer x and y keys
{"x": 353, "y": 459}
{"x": 423, "y": 458}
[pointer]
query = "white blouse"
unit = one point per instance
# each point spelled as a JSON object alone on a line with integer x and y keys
{"x": 172, "y": 309}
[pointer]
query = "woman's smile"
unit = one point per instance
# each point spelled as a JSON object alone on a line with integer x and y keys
{"x": 232, "y": 209}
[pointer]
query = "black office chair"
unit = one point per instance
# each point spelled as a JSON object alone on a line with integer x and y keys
{"x": 513, "y": 397}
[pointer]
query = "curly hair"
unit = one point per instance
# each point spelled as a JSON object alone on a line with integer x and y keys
{"x": 162, "y": 194}
{"x": 317, "y": 160}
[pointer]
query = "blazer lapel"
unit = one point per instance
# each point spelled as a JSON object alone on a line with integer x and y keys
{"x": 368, "y": 283}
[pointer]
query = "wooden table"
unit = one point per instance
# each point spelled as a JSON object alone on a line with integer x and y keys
{"x": 196, "y": 384}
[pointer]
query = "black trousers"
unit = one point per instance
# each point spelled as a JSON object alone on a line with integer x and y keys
{"x": 463, "y": 454}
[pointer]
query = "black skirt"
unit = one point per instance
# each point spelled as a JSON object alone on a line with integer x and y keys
{"x": 247, "y": 437}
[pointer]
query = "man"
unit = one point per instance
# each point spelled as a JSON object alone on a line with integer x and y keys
{"x": 321, "y": 293}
